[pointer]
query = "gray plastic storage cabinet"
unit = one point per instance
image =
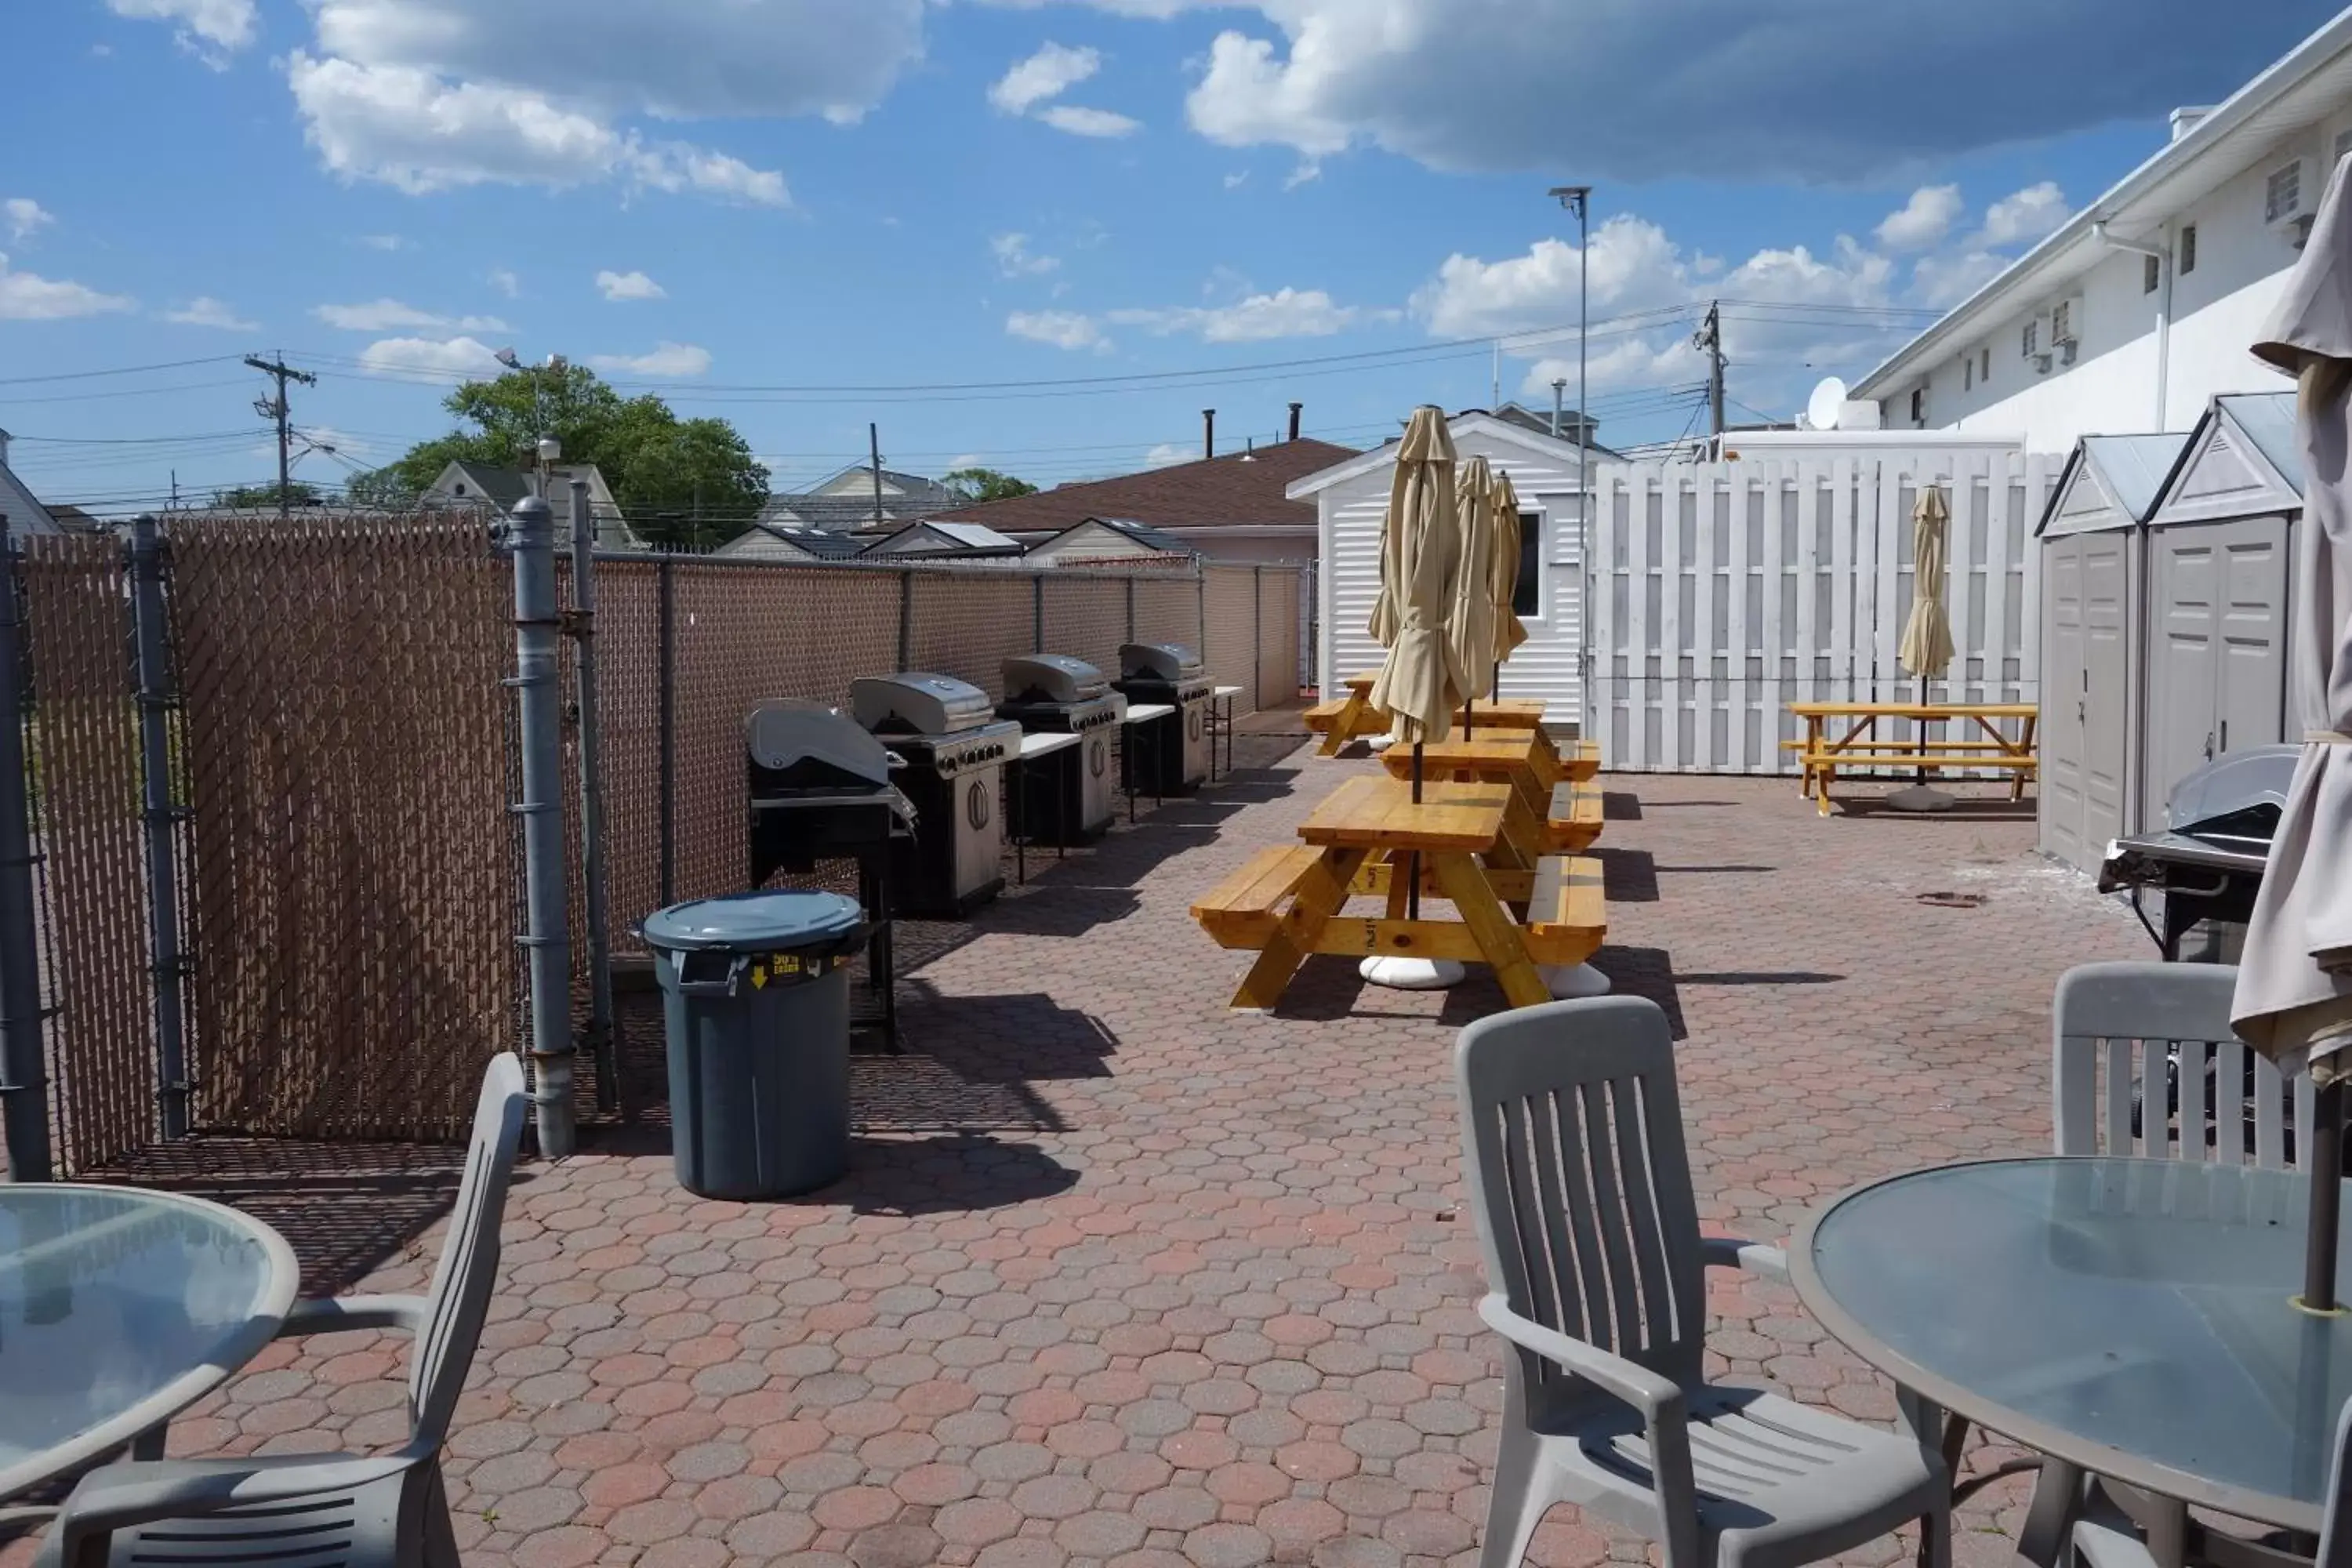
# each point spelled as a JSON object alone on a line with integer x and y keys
{"x": 755, "y": 992}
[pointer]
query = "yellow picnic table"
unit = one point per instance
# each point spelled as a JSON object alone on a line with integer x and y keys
{"x": 1557, "y": 806}
{"x": 1353, "y": 716}
{"x": 1845, "y": 735}
{"x": 1287, "y": 902}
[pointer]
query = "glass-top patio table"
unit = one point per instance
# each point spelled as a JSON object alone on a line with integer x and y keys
{"x": 2129, "y": 1319}
{"x": 120, "y": 1308}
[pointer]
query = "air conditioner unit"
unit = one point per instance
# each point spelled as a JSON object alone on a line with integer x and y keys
{"x": 2066, "y": 323}
{"x": 2033, "y": 341}
{"x": 2290, "y": 198}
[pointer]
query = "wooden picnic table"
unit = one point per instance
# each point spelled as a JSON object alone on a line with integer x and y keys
{"x": 1558, "y": 807}
{"x": 1845, "y": 735}
{"x": 1289, "y": 903}
{"x": 1353, "y": 716}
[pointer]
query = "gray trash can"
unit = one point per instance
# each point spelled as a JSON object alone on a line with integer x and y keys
{"x": 755, "y": 992}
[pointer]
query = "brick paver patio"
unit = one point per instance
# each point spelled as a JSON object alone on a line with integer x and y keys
{"x": 1123, "y": 1278}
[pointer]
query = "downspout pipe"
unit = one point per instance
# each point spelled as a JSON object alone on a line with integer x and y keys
{"x": 2100, "y": 232}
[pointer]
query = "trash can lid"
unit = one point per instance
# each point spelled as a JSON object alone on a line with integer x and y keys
{"x": 754, "y": 922}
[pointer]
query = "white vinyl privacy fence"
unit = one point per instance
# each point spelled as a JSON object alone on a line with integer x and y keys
{"x": 1723, "y": 592}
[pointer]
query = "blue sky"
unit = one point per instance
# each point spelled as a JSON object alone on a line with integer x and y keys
{"x": 768, "y": 209}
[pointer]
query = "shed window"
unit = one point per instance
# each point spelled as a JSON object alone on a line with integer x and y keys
{"x": 1984, "y": 365}
{"x": 2151, "y": 273}
{"x": 2189, "y": 247}
{"x": 1968, "y": 374}
{"x": 1918, "y": 405}
{"x": 1527, "y": 594}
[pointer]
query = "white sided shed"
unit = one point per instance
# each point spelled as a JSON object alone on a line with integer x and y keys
{"x": 1350, "y": 501}
{"x": 2217, "y": 577}
{"x": 2092, "y": 557}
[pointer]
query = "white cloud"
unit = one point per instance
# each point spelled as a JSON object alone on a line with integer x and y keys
{"x": 1634, "y": 267}
{"x": 1706, "y": 88}
{"x": 455, "y": 359}
{"x": 29, "y": 297}
{"x": 203, "y": 310}
{"x": 1921, "y": 223}
{"x": 1308, "y": 171}
{"x": 212, "y": 30}
{"x": 1284, "y": 313}
{"x": 669, "y": 361}
{"x": 629, "y": 286}
{"x": 1944, "y": 281}
{"x": 1168, "y": 454}
{"x": 384, "y": 241}
{"x": 2027, "y": 215}
{"x": 1052, "y": 70}
{"x": 1031, "y": 84}
{"x": 427, "y": 95}
{"x": 1062, "y": 329}
{"x": 390, "y": 315}
{"x": 1082, "y": 122}
{"x": 504, "y": 281}
{"x": 25, "y": 217}
{"x": 1235, "y": 181}
{"x": 1015, "y": 259}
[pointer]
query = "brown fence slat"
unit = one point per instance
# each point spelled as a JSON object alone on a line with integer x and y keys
{"x": 92, "y": 878}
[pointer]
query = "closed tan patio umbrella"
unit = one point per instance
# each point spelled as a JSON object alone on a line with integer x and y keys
{"x": 1470, "y": 626}
{"x": 1926, "y": 646}
{"x": 2294, "y": 978}
{"x": 1419, "y": 682}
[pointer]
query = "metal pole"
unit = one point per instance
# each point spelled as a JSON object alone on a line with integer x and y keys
{"x": 161, "y": 817}
{"x": 666, "y": 696}
{"x": 2326, "y": 1170}
{"x": 874, "y": 447}
{"x": 23, "y": 1078}
{"x": 1584, "y": 709}
{"x": 1257, "y": 636}
{"x": 544, "y": 939}
{"x": 601, "y": 1044}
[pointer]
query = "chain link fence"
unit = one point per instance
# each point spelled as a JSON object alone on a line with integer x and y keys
{"x": 342, "y": 761}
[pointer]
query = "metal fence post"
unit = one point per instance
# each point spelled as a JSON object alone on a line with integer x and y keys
{"x": 1037, "y": 612}
{"x": 1200, "y": 582}
{"x": 545, "y": 940}
{"x": 24, "y": 1063}
{"x": 161, "y": 817}
{"x": 666, "y": 703}
{"x": 601, "y": 1045}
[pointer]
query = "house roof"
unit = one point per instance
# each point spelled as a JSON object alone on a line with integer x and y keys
{"x": 1143, "y": 533}
{"x": 503, "y": 488}
{"x": 954, "y": 537}
{"x": 2303, "y": 86}
{"x": 1551, "y": 449}
{"x": 2268, "y": 420}
{"x": 2126, "y": 474}
{"x": 1239, "y": 489}
{"x": 820, "y": 542}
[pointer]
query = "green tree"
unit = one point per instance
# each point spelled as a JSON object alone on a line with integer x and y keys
{"x": 683, "y": 481}
{"x": 987, "y": 484}
{"x": 259, "y": 498}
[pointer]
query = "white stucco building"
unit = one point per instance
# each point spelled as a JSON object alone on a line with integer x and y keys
{"x": 2141, "y": 310}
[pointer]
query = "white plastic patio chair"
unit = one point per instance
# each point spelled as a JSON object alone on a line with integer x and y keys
{"x": 326, "y": 1510}
{"x": 1572, "y": 1144}
{"x": 2137, "y": 1020}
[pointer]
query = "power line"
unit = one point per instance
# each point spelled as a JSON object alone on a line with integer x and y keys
{"x": 275, "y": 408}
{"x": 119, "y": 370}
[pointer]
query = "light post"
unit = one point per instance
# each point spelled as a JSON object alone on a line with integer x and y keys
{"x": 550, "y": 449}
{"x": 1578, "y": 200}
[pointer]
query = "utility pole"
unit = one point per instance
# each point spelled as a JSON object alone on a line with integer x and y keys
{"x": 275, "y": 407}
{"x": 1578, "y": 199}
{"x": 873, "y": 450}
{"x": 1708, "y": 340}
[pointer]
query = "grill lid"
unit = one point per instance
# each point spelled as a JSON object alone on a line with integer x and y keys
{"x": 2238, "y": 794}
{"x": 918, "y": 702}
{"x": 812, "y": 743}
{"x": 1167, "y": 661}
{"x": 1053, "y": 678}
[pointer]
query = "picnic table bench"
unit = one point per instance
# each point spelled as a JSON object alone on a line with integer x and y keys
{"x": 1845, "y": 736}
{"x": 1353, "y": 716}
{"x": 1288, "y": 902}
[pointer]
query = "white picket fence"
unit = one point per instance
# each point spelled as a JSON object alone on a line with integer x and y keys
{"x": 1723, "y": 592}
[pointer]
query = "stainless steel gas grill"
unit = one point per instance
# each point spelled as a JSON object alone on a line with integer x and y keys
{"x": 1065, "y": 796}
{"x": 1171, "y": 755}
{"x": 820, "y": 789}
{"x": 954, "y": 748}
{"x": 2208, "y": 861}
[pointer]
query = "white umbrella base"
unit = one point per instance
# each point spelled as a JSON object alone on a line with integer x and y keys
{"x": 1412, "y": 974}
{"x": 1565, "y": 980}
{"x": 1381, "y": 743}
{"x": 1919, "y": 797}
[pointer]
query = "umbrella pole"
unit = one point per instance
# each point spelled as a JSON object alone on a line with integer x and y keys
{"x": 2326, "y": 1168}
{"x": 1412, "y": 864}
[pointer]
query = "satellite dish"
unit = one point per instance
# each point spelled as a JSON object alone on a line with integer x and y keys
{"x": 1828, "y": 401}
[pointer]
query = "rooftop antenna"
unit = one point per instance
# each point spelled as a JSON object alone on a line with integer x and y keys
{"x": 1826, "y": 407}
